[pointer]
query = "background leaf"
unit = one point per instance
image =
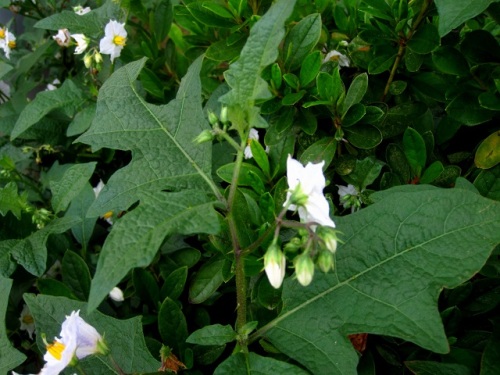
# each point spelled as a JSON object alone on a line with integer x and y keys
{"x": 160, "y": 138}
{"x": 387, "y": 279}
{"x": 453, "y": 13}
{"x": 256, "y": 365}
{"x": 301, "y": 40}
{"x": 136, "y": 237}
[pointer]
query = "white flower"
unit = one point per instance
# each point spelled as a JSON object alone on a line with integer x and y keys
{"x": 274, "y": 265}
{"x": 116, "y": 294}
{"x": 78, "y": 338}
{"x": 63, "y": 38}
{"x": 305, "y": 192}
{"x": 114, "y": 39}
{"x": 7, "y": 41}
{"x": 27, "y": 322}
{"x": 81, "y": 10}
{"x": 82, "y": 43}
{"x": 254, "y": 135}
{"x": 349, "y": 197}
{"x": 334, "y": 55}
{"x": 108, "y": 216}
{"x": 346, "y": 190}
{"x": 52, "y": 86}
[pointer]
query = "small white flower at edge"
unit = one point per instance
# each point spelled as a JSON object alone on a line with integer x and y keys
{"x": 98, "y": 188}
{"x": 335, "y": 55}
{"x": 254, "y": 135}
{"x": 7, "y": 41}
{"x": 81, "y": 10}
{"x": 82, "y": 43}
{"x": 52, "y": 86}
{"x": 116, "y": 294}
{"x": 305, "y": 192}
{"x": 115, "y": 37}
{"x": 27, "y": 322}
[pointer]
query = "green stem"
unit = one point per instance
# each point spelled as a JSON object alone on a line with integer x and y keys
{"x": 402, "y": 46}
{"x": 228, "y": 139}
{"x": 241, "y": 287}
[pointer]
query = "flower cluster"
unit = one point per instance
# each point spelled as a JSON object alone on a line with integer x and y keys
{"x": 115, "y": 37}
{"x": 7, "y": 41}
{"x": 77, "y": 340}
{"x": 305, "y": 195}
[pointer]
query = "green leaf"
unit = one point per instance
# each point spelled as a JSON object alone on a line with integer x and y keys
{"x": 215, "y": 334}
{"x": 160, "y": 138}
{"x": 488, "y": 152}
{"x": 88, "y": 24}
{"x": 4, "y": 69}
{"x": 223, "y": 50}
{"x": 489, "y": 362}
{"x": 432, "y": 172}
{"x": 381, "y": 64}
{"x": 301, "y": 40}
{"x": 73, "y": 181}
{"x": 53, "y": 287}
{"x": 68, "y": 97}
{"x": 163, "y": 16}
{"x": 76, "y": 274}
{"x": 132, "y": 354}
{"x": 206, "y": 281}
{"x": 11, "y": 201}
{"x": 466, "y": 109}
{"x": 480, "y": 46}
{"x": 172, "y": 325}
{"x": 254, "y": 364}
{"x": 174, "y": 283}
{"x": 146, "y": 287}
{"x": 355, "y": 93}
{"x": 363, "y": 136}
{"x": 261, "y": 50}
{"x": 82, "y": 121}
{"x": 78, "y": 208}
{"x": 453, "y": 13}
{"x": 11, "y": 358}
{"x": 365, "y": 173}
{"x": 354, "y": 115}
{"x": 136, "y": 237}
{"x": 401, "y": 116}
{"x": 211, "y": 14}
{"x": 7, "y": 265}
{"x": 309, "y": 68}
{"x": 246, "y": 171}
{"x": 415, "y": 150}
{"x": 450, "y": 61}
{"x": 322, "y": 150}
{"x": 425, "y": 40}
{"x": 31, "y": 252}
{"x": 260, "y": 156}
{"x": 488, "y": 183}
{"x": 389, "y": 270}
{"x": 437, "y": 368}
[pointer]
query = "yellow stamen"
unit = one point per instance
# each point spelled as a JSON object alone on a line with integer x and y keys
{"x": 119, "y": 40}
{"x": 56, "y": 349}
{"x": 28, "y": 319}
{"x": 107, "y": 215}
{"x": 2, "y": 33}
{"x": 12, "y": 44}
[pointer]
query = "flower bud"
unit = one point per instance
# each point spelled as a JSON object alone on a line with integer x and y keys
{"x": 325, "y": 261}
{"x": 294, "y": 244}
{"x": 87, "y": 60}
{"x": 212, "y": 118}
{"x": 98, "y": 58}
{"x": 274, "y": 265}
{"x": 304, "y": 269}
{"x": 223, "y": 115}
{"x": 204, "y": 136}
{"x": 329, "y": 238}
{"x": 116, "y": 294}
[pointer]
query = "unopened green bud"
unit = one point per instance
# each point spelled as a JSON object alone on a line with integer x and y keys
{"x": 87, "y": 60}
{"x": 294, "y": 244}
{"x": 204, "y": 136}
{"x": 98, "y": 58}
{"x": 325, "y": 261}
{"x": 304, "y": 269}
{"x": 274, "y": 265}
{"x": 329, "y": 238}
{"x": 212, "y": 118}
{"x": 223, "y": 115}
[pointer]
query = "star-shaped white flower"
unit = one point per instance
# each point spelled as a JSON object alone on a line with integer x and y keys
{"x": 115, "y": 37}
{"x": 27, "y": 322}
{"x": 82, "y": 43}
{"x": 305, "y": 192}
{"x": 7, "y": 41}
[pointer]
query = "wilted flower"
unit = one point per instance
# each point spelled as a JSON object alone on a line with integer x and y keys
{"x": 305, "y": 192}
{"x": 27, "y": 322}
{"x": 63, "y": 38}
{"x": 274, "y": 265}
{"x": 82, "y": 43}
{"x": 115, "y": 37}
{"x": 116, "y": 294}
{"x": 334, "y": 55}
{"x": 81, "y": 10}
